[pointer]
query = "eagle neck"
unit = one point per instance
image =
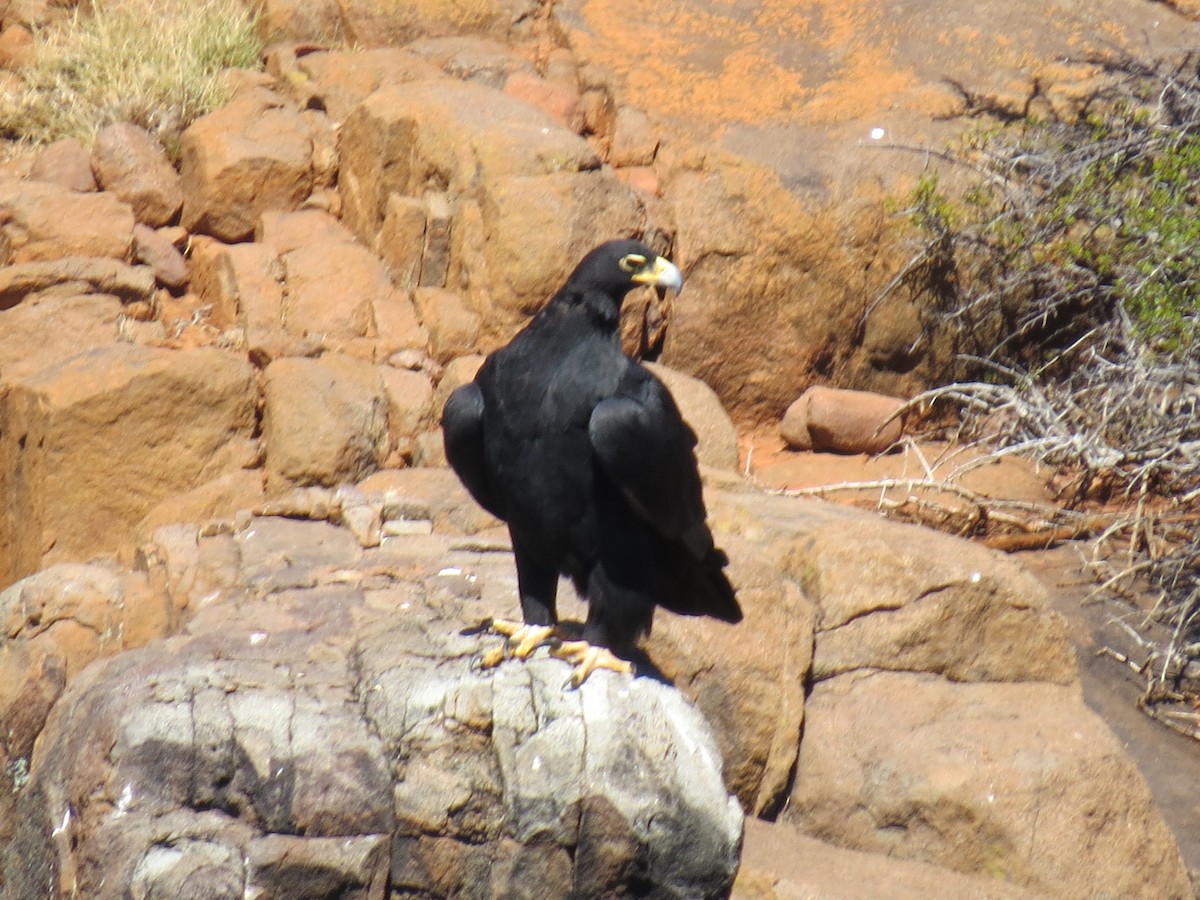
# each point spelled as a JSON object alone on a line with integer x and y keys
{"x": 603, "y": 309}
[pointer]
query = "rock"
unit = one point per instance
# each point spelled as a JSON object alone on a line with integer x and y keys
{"x": 437, "y": 494}
{"x": 89, "y": 445}
{"x": 830, "y": 420}
{"x": 67, "y": 275}
{"x": 335, "y": 290}
{"x": 298, "y": 20}
{"x": 458, "y": 372}
{"x": 410, "y": 403}
{"x": 53, "y": 625}
{"x": 221, "y": 498}
{"x": 340, "y": 736}
{"x": 45, "y": 330}
{"x": 743, "y": 75}
{"x": 477, "y": 60}
{"x": 453, "y": 328}
{"x": 779, "y": 863}
{"x": 557, "y": 100}
{"x": 155, "y": 250}
{"x": 702, "y": 410}
{"x": 903, "y": 598}
{"x": 634, "y": 141}
{"x": 397, "y": 329}
{"x": 65, "y": 163}
{"x": 325, "y": 421}
{"x": 371, "y": 23}
{"x": 738, "y": 225}
{"x": 401, "y": 242}
{"x": 46, "y": 221}
{"x": 284, "y": 232}
{"x": 252, "y": 156}
{"x": 18, "y": 48}
{"x": 330, "y": 290}
{"x": 131, "y": 163}
{"x": 401, "y": 138}
{"x": 746, "y": 678}
{"x": 1019, "y": 781}
{"x": 243, "y": 283}
{"x": 570, "y": 212}
{"x": 339, "y": 80}
{"x": 642, "y": 179}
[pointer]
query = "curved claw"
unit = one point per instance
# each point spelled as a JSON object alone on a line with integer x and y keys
{"x": 587, "y": 659}
{"x": 521, "y": 641}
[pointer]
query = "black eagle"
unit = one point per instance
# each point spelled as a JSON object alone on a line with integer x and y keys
{"x": 584, "y": 454}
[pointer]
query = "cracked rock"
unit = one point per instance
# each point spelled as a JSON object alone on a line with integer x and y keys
{"x": 329, "y": 741}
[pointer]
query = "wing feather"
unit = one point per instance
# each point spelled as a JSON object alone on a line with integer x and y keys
{"x": 647, "y": 451}
{"x": 462, "y": 433}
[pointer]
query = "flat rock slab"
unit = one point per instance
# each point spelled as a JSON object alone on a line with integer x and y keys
{"x": 337, "y": 726}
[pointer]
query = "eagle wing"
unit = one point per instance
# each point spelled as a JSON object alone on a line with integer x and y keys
{"x": 648, "y": 451}
{"x": 462, "y": 433}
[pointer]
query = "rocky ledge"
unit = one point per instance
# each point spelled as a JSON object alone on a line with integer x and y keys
{"x": 285, "y": 704}
{"x": 322, "y": 731}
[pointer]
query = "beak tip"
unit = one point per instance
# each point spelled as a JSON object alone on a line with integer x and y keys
{"x": 670, "y": 277}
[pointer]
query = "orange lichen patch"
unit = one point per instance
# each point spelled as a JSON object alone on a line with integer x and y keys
{"x": 730, "y": 61}
{"x": 867, "y": 85}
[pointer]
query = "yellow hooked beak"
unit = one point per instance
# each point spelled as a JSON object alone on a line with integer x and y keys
{"x": 662, "y": 272}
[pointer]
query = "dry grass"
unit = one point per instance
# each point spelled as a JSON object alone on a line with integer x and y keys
{"x": 156, "y": 64}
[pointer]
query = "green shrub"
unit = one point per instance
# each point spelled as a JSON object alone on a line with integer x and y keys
{"x": 1069, "y": 226}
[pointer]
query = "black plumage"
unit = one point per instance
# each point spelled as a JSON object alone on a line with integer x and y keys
{"x": 583, "y": 453}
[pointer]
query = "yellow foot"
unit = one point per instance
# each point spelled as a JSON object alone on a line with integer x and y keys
{"x": 587, "y": 659}
{"x": 522, "y": 641}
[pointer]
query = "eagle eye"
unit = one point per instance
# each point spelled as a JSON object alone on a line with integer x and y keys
{"x": 632, "y": 262}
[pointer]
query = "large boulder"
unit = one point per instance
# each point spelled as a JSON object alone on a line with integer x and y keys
{"x": 904, "y": 598}
{"x": 318, "y": 740}
{"x": 44, "y": 330}
{"x": 53, "y": 624}
{"x": 252, "y": 156}
{"x": 1017, "y": 781}
{"x": 90, "y": 444}
{"x": 448, "y": 180}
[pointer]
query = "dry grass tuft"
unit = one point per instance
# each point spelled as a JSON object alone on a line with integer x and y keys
{"x": 156, "y": 64}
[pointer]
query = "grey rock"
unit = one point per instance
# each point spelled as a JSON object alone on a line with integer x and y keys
{"x": 315, "y": 735}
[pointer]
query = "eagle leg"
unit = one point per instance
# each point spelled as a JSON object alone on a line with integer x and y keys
{"x": 521, "y": 641}
{"x": 587, "y": 658}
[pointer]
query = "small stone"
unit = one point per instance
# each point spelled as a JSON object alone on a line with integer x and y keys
{"x": 169, "y": 267}
{"x": 453, "y": 328}
{"x": 832, "y": 420}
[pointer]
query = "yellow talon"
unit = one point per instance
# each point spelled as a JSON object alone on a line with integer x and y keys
{"x": 521, "y": 641}
{"x": 587, "y": 659}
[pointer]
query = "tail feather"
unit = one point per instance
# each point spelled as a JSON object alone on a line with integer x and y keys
{"x": 701, "y": 588}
